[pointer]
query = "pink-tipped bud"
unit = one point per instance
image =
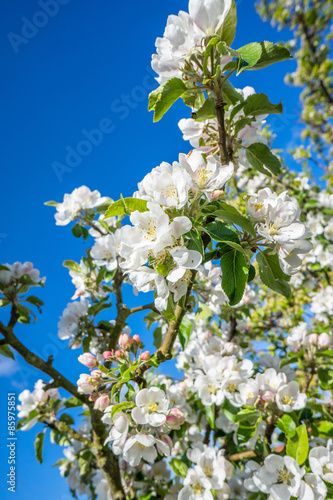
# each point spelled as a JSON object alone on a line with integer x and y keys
{"x": 102, "y": 402}
{"x": 93, "y": 396}
{"x": 88, "y": 360}
{"x": 217, "y": 194}
{"x": 136, "y": 339}
{"x": 324, "y": 340}
{"x": 96, "y": 375}
{"x": 175, "y": 419}
{"x": 118, "y": 354}
{"x": 125, "y": 341}
{"x": 312, "y": 339}
{"x": 229, "y": 348}
{"x": 145, "y": 355}
{"x": 107, "y": 354}
{"x": 268, "y": 396}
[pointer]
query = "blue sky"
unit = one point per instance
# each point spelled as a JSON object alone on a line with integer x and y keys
{"x": 86, "y": 67}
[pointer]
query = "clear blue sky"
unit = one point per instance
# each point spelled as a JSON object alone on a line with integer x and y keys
{"x": 67, "y": 77}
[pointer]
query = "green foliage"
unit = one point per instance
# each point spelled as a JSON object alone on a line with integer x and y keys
{"x": 125, "y": 206}
{"x": 271, "y": 273}
{"x": 298, "y": 446}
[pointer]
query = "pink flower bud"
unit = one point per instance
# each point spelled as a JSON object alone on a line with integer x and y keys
{"x": 268, "y": 396}
{"x": 125, "y": 341}
{"x": 312, "y": 339}
{"x": 229, "y": 348}
{"x": 118, "y": 354}
{"x": 175, "y": 419}
{"x": 217, "y": 194}
{"x": 324, "y": 340}
{"x": 136, "y": 339}
{"x": 88, "y": 360}
{"x": 107, "y": 354}
{"x": 145, "y": 355}
{"x": 96, "y": 375}
{"x": 102, "y": 402}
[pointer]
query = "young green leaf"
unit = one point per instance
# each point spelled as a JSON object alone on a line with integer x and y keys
{"x": 171, "y": 91}
{"x": 184, "y": 332}
{"x": 227, "y": 31}
{"x": 259, "y": 104}
{"x": 261, "y": 158}
{"x": 6, "y": 351}
{"x": 179, "y": 467}
{"x": 234, "y": 273}
{"x": 271, "y": 273}
{"x": 39, "y": 446}
{"x": 298, "y": 445}
{"x": 126, "y": 206}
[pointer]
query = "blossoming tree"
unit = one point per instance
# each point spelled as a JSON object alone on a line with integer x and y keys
{"x": 235, "y": 254}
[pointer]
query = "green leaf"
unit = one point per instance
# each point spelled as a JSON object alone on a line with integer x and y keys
{"x": 252, "y": 273}
{"x": 103, "y": 369}
{"x": 23, "y": 421}
{"x": 298, "y": 446}
{"x": 39, "y": 446}
{"x": 121, "y": 406}
{"x": 24, "y": 314}
{"x": 184, "y": 332}
{"x": 72, "y": 266}
{"x": 72, "y": 403}
{"x": 67, "y": 419}
{"x": 287, "y": 425}
{"x": 230, "y": 94}
{"x": 51, "y": 203}
{"x": 210, "y": 415}
{"x": 34, "y": 301}
{"x": 230, "y": 411}
{"x": 232, "y": 216}
{"x": 206, "y": 112}
{"x": 245, "y": 432}
{"x": 158, "y": 337}
{"x": 325, "y": 378}
{"x": 259, "y": 104}
{"x": 260, "y": 55}
{"x": 4, "y": 302}
{"x": 248, "y": 415}
{"x": 179, "y": 467}
{"x": 326, "y": 428}
{"x": 261, "y": 158}
{"x": 234, "y": 274}
{"x": 97, "y": 308}
{"x": 195, "y": 241}
{"x": 170, "y": 92}
{"x": 271, "y": 273}
{"x": 203, "y": 312}
{"x": 126, "y": 206}
{"x": 250, "y": 54}
{"x": 219, "y": 231}
{"x": 227, "y": 31}
{"x": 213, "y": 41}
{"x": 6, "y": 351}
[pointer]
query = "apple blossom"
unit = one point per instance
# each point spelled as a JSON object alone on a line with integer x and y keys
{"x": 88, "y": 360}
{"x": 151, "y": 407}
{"x": 288, "y": 397}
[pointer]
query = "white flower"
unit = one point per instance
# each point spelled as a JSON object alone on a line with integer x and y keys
{"x": 150, "y": 234}
{"x": 209, "y": 390}
{"x": 321, "y": 461}
{"x": 151, "y": 407}
{"x": 17, "y": 270}
{"x": 180, "y": 37}
{"x": 288, "y": 397}
{"x": 104, "y": 253}
{"x": 31, "y": 400}
{"x": 80, "y": 199}
{"x": 312, "y": 488}
{"x": 270, "y": 380}
{"x": 249, "y": 392}
{"x": 166, "y": 185}
{"x": 209, "y": 15}
{"x": 206, "y": 176}
{"x": 215, "y": 467}
{"x": 138, "y": 447}
{"x": 184, "y": 259}
{"x": 196, "y": 486}
{"x": 192, "y": 131}
{"x": 297, "y": 336}
{"x": 280, "y": 477}
{"x": 118, "y": 432}
{"x": 101, "y": 486}
{"x": 68, "y": 325}
{"x": 146, "y": 279}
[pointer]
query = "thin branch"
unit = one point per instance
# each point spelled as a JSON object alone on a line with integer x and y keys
{"x": 151, "y": 306}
